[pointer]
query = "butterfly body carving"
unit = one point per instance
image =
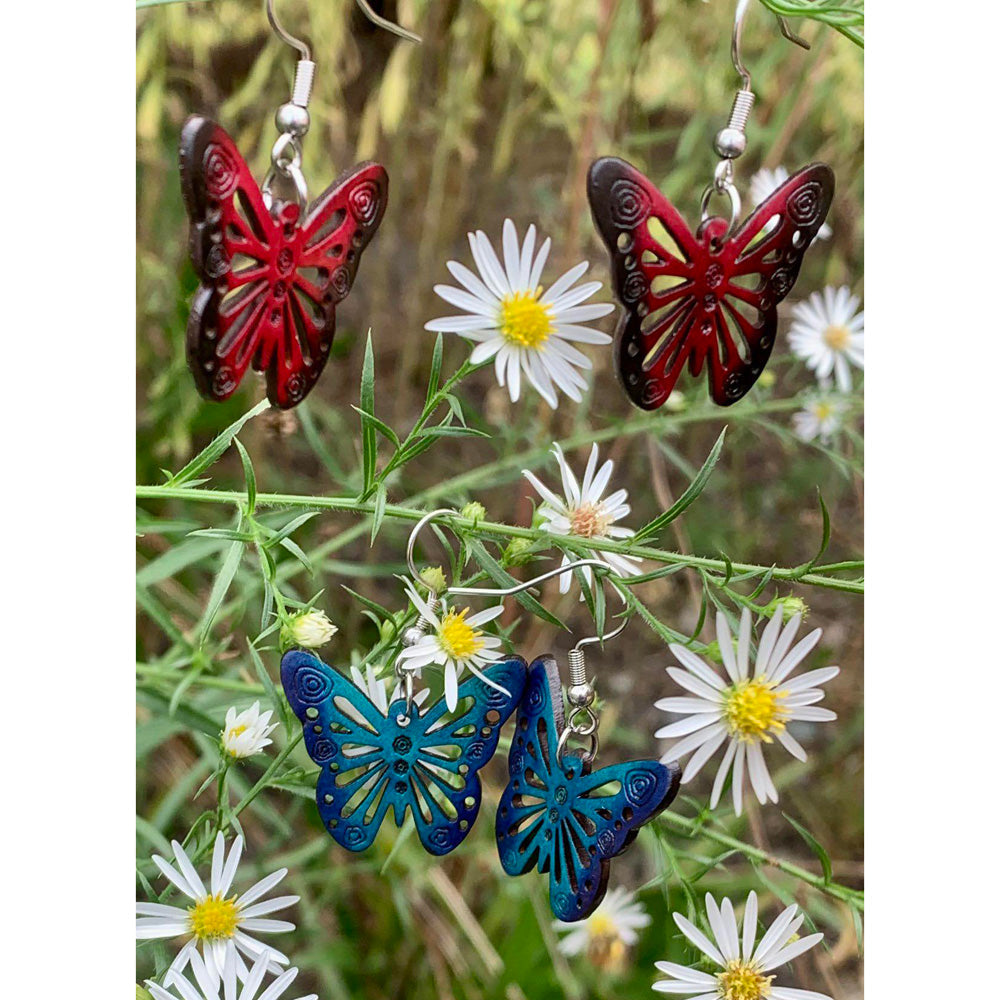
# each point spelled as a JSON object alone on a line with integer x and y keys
{"x": 557, "y": 815}
{"x": 270, "y": 279}
{"x": 712, "y": 296}
{"x": 426, "y": 763}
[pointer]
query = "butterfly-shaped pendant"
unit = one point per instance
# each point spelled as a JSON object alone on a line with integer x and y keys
{"x": 270, "y": 280}
{"x": 558, "y": 816}
{"x": 370, "y": 761}
{"x": 712, "y": 295}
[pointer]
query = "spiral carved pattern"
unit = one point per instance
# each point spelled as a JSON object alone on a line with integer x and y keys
{"x": 606, "y": 842}
{"x": 803, "y": 206}
{"x": 340, "y": 281}
{"x": 364, "y": 202}
{"x": 639, "y": 786}
{"x": 322, "y": 750}
{"x": 629, "y": 204}
{"x": 311, "y": 685}
{"x": 221, "y": 172}
{"x": 634, "y": 288}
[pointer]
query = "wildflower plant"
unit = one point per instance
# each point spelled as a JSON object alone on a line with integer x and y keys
{"x": 719, "y": 531}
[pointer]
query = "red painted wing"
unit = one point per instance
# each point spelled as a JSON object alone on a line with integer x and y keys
{"x": 269, "y": 284}
{"x": 709, "y": 296}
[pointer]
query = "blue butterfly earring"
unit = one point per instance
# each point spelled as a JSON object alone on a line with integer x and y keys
{"x": 374, "y": 758}
{"x": 557, "y": 814}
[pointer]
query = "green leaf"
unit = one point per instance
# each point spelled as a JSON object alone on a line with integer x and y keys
{"x": 688, "y": 497}
{"x": 293, "y": 525}
{"x": 449, "y": 430}
{"x": 380, "y": 425}
{"x": 379, "y": 512}
{"x": 281, "y": 707}
{"x": 815, "y": 846}
{"x": 369, "y": 441}
{"x": 296, "y": 550}
{"x": 251, "y": 479}
{"x": 230, "y": 534}
{"x": 435, "y": 377}
{"x": 219, "y": 589}
{"x": 211, "y": 454}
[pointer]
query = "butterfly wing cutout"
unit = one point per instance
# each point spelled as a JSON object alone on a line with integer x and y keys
{"x": 269, "y": 283}
{"x": 561, "y": 818}
{"x": 709, "y": 297}
{"x": 426, "y": 763}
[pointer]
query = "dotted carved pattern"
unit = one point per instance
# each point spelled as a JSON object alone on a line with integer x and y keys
{"x": 270, "y": 280}
{"x": 425, "y": 763}
{"x": 712, "y": 297}
{"x": 561, "y": 818}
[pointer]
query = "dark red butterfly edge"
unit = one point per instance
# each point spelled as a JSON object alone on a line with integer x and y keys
{"x": 601, "y": 178}
{"x": 197, "y": 135}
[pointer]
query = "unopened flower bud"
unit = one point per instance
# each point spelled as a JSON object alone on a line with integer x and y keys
{"x": 308, "y": 629}
{"x": 766, "y": 379}
{"x": 790, "y": 606}
{"x": 518, "y": 552}
{"x": 474, "y": 511}
{"x": 432, "y": 577}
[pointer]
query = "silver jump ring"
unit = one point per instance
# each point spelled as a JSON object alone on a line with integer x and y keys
{"x": 587, "y": 757}
{"x": 732, "y": 194}
{"x": 294, "y": 171}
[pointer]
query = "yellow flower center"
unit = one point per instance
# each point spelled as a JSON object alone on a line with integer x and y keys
{"x": 588, "y": 521}
{"x": 214, "y": 918}
{"x": 524, "y": 320}
{"x": 605, "y": 949}
{"x": 837, "y": 336}
{"x": 742, "y": 981}
{"x": 822, "y": 411}
{"x": 753, "y": 708}
{"x": 457, "y": 637}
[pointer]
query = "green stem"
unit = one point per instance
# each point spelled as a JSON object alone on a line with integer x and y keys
{"x": 496, "y": 529}
{"x": 693, "y": 828}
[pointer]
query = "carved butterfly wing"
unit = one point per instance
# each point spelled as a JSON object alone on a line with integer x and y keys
{"x": 708, "y": 298}
{"x": 557, "y": 816}
{"x": 761, "y": 263}
{"x": 347, "y": 736}
{"x": 448, "y": 749}
{"x": 268, "y": 284}
{"x": 232, "y": 239}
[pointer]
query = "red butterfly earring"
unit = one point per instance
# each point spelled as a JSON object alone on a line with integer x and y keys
{"x": 714, "y": 294}
{"x": 272, "y": 267}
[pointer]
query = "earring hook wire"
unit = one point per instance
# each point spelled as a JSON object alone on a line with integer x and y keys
{"x": 786, "y": 31}
{"x": 388, "y": 25}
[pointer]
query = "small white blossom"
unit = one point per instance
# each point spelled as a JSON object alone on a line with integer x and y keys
{"x": 828, "y": 333}
{"x": 245, "y": 733}
{"x": 376, "y": 689}
{"x": 207, "y": 987}
{"x": 217, "y": 921}
{"x": 821, "y": 417}
{"x": 743, "y": 963}
{"x": 607, "y": 934}
{"x": 584, "y": 513}
{"x": 454, "y": 642}
{"x": 525, "y": 329}
{"x": 750, "y": 708}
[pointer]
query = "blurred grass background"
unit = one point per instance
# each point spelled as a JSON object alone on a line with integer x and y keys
{"x": 498, "y": 113}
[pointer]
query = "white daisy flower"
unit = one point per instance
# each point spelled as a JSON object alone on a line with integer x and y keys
{"x": 743, "y": 967}
{"x": 583, "y": 513}
{"x": 217, "y": 921}
{"x": 748, "y": 709}
{"x": 208, "y": 986}
{"x": 828, "y": 333}
{"x": 454, "y": 642}
{"x": 766, "y": 182}
{"x": 821, "y": 417}
{"x": 245, "y": 733}
{"x": 309, "y": 629}
{"x": 376, "y": 689}
{"x": 524, "y": 328}
{"x": 607, "y": 934}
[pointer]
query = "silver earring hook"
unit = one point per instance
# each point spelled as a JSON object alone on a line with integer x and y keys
{"x": 282, "y": 32}
{"x": 741, "y": 9}
{"x": 385, "y": 23}
{"x": 515, "y": 588}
